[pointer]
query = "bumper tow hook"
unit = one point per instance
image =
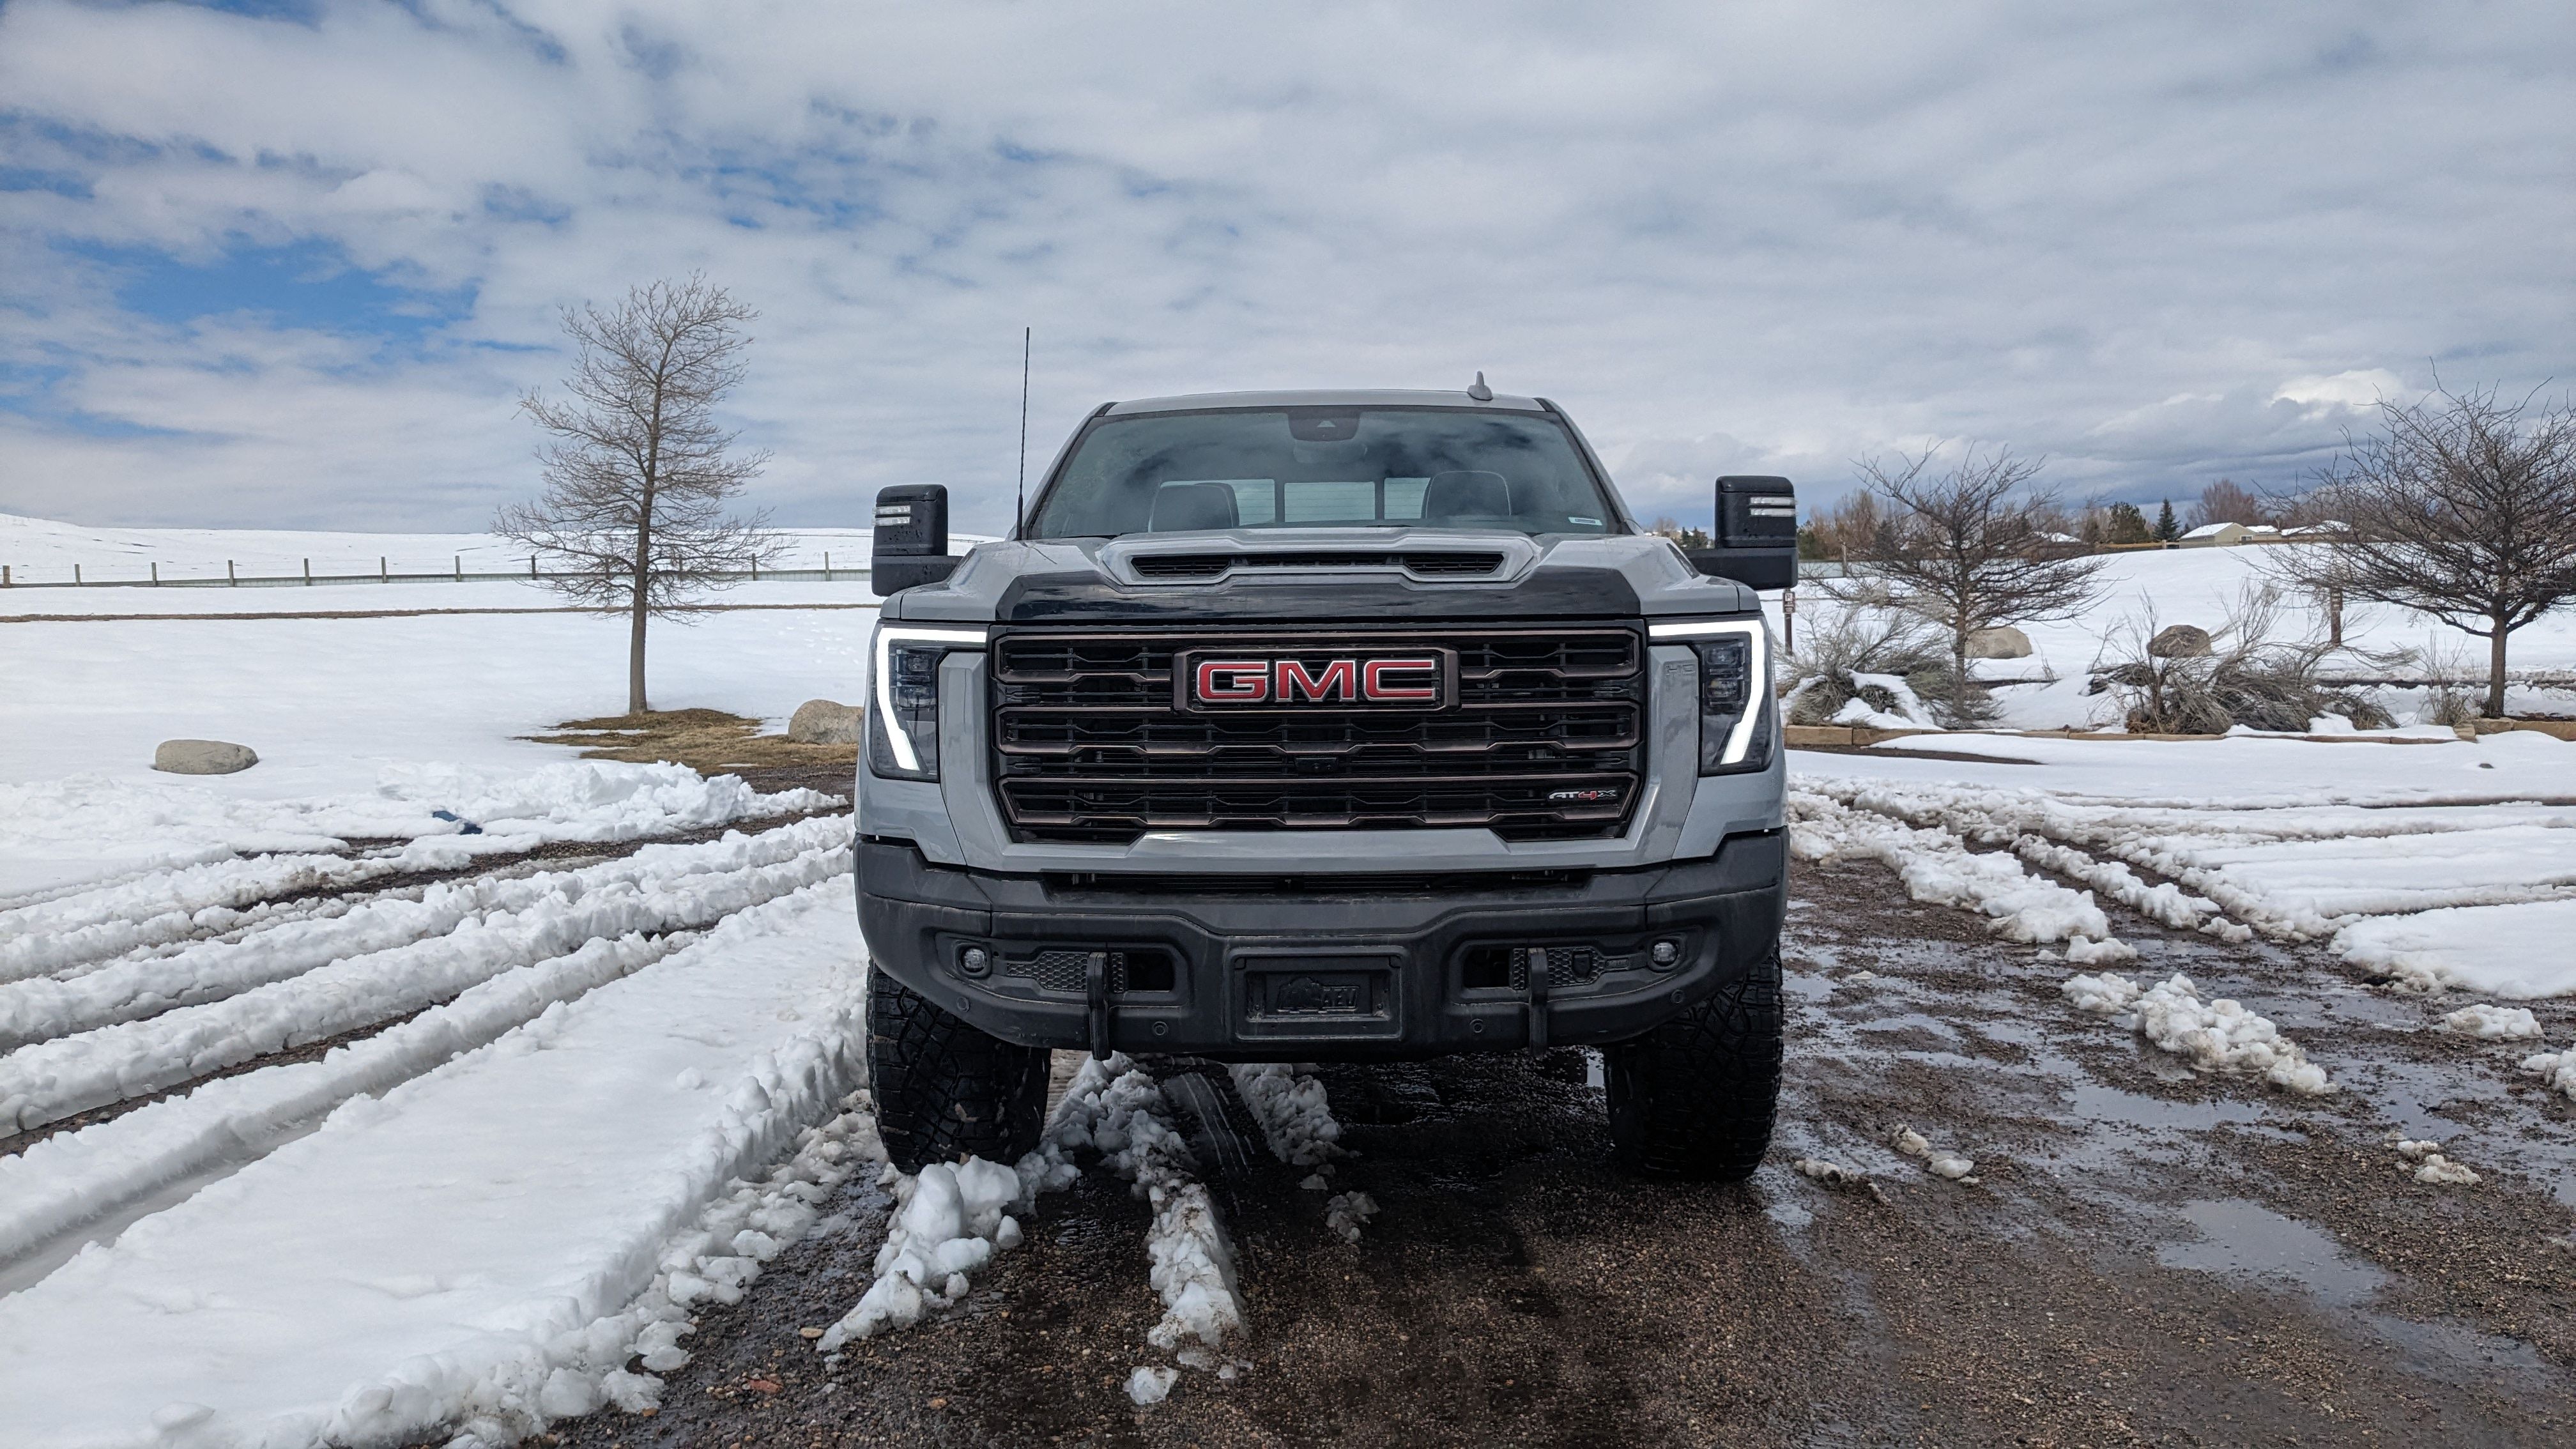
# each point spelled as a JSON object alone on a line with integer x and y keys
{"x": 1537, "y": 1007}
{"x": 1095, "y": 985}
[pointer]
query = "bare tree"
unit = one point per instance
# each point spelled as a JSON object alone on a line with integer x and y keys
{"x": 2460, "y": 507}
{"x": 1968, "y": 549}
{"x": 638, "y": 471}
{"x": 2226, "y": 501}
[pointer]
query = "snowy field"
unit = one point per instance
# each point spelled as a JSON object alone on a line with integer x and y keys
{"x": 2439, "y": 863}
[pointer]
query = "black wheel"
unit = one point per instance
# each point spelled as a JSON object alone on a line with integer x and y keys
{"x": 945, "y": 1090}
{"x": 1694, "y": 1097}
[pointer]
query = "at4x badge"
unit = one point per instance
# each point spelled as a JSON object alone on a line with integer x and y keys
{"x": 1397, "y": 679}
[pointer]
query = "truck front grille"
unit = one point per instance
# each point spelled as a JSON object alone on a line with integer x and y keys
{"x": 1545, "y": 740}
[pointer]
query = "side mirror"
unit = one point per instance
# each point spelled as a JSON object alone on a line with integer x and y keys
{"x": 1757, "y": 533}
{"x": 911, "y": 539}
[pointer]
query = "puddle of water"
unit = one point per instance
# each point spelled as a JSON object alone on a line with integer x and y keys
{"x": 1806, "y": 985}
{"x": 1788, "y": 1214}
{"x": 2248, "y": 1240}
{"x": 2095, "y": 1102}
{"x": 2245, "y": 1239}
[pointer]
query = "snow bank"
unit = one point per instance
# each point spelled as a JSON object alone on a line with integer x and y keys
{"x": 2490, "y": 1023}
{"x": 1294, "y": 1116}
{"x": 2556, "y": 1070}
{"x": 2517, "y": 951}
{"x": 947, "y": 1224}
{"x": 2215, "y": 1036}
{"x": 468, "y": 1247}
{"x": 1937, "y": 867}
{"x": 53, "y": 1079}
{"x": 1130, "y": 1122}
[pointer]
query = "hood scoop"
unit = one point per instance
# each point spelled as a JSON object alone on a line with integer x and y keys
{"x": 1198, "y": 567}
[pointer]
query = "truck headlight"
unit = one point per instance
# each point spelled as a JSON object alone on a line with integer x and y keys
{"x": 1734, "y": 692}
{"x": 903, "y": 725}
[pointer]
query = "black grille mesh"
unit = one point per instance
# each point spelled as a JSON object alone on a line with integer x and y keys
{"x": 1088, "y": 744}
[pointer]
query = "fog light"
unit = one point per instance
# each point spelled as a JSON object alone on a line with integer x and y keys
{"x": 1665, "y": 954}
{"x": 976, "y": 961}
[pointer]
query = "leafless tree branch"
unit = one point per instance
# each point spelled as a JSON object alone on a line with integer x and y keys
{"x": 638, "y": 471}
{"x": 2461, "y": 507}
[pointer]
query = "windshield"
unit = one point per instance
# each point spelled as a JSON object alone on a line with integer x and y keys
{"x": 1327, "y": 468}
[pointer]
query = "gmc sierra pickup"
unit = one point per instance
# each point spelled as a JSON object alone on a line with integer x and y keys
{"x": 1326, "y": 725}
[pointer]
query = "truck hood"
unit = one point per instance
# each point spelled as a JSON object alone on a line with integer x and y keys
{"x": 1343, "y": 575}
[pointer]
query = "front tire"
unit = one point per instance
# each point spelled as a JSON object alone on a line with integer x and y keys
{"x": 1694, "y": 1098}
{"x": 945, "y": 1090}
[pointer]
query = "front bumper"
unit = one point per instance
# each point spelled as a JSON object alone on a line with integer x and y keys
{"x": 1269, "y": 968}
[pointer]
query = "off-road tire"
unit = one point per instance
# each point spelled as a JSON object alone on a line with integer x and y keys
{"x": 945, "y": 1090}
{"x": 1694, "y": 1098}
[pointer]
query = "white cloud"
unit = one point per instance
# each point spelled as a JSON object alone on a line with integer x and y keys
{"x": 1766, "y": 237}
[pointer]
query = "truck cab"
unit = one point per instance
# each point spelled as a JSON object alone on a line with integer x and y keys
{"x": 1326, "y": 726}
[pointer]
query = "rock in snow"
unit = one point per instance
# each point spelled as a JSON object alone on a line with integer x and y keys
{"x": 824, "y": 722}
{"x": 203, "y": 757}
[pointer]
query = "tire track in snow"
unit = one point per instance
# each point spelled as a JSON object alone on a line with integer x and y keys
{"x": 81, "y": 1180}
{"x": 145, "y": 987}
{"x": 481, "y": 1247}
{"x": 52, "y": 1079}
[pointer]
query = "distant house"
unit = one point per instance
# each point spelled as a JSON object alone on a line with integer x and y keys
{"x": 2229, "y": 535}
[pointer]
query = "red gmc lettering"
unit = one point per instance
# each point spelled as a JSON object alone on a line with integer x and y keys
{"x": 1373, "y": 683}
{"x": 1339, "y": 677}
{"x": 1234, "y": 681}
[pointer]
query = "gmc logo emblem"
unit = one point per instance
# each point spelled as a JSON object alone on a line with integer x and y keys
{"x": 1419, "y": 680}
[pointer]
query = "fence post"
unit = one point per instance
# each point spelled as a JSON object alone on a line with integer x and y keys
{"x": 827, "y": 565}
{"x": 76, "y": 573}
{"x": 156, "y": 573}
{"x": 308, "y": 573}
{"x": 755, "y": 570}
{"x": 230, "y": 578}
{"x": 532, "y": 566}
{"x": 4, "y": 578}
{"x": 1789, "y": 621}
{"x": 382, "y": 577}
{"x": 460, "y": 568}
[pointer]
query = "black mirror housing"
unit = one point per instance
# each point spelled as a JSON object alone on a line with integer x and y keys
{"x": 911, "y": 538}
{"x": 1757, "y": 533}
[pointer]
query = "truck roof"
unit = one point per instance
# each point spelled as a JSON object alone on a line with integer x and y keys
{"x": 1354, "y": 397}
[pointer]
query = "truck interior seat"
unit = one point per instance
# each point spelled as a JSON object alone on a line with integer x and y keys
{"x": 1184, "y": 507}
{"x": 1467, "y": 493}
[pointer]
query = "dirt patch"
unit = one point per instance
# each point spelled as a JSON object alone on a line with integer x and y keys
{"x": 708, "y": 741}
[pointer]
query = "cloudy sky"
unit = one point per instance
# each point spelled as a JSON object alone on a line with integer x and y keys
{"x": 292, "y": 263}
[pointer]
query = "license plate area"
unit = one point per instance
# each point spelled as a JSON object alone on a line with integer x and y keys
{"x": 1317, "y": 995}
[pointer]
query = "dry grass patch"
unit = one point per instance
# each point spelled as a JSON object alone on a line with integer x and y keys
{"x": 708, "y": 741}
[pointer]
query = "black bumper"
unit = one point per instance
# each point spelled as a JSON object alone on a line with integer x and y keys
{"x": 1267, "y": 968}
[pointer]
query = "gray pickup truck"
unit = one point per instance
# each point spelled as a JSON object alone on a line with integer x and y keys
{"x": 1326, "y": 726}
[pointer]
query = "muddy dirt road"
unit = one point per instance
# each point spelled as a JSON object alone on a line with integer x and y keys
{"x": 2146, "y": 1255}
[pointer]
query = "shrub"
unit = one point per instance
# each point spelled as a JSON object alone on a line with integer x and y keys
{"x": 2248, "y": 677}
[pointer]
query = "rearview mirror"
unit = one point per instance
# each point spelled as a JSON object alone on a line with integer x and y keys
{"x": 1756, "y": 540}
{"x": 911, "y": 538}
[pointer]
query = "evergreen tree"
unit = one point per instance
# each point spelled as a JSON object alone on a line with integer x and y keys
{"x": 2126, "y": 525}
{"x": 2168, "y": 528}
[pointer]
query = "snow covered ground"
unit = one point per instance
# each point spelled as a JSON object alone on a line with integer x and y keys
{"x": 2442, "y": 863}
{"x": 2200, "y": 586}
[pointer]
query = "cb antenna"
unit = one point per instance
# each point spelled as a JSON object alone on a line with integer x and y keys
{"x": 1019, "y": 510}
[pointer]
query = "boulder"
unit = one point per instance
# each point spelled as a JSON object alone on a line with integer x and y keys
{"x": 2179, "y": 641}
{"x": 203, "y": 757}
{"x": 2000, "y": 642}
{"x": 824, "y": 722}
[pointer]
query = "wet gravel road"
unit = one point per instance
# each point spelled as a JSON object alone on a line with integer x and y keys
{"x": 2147, "y": 1256}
